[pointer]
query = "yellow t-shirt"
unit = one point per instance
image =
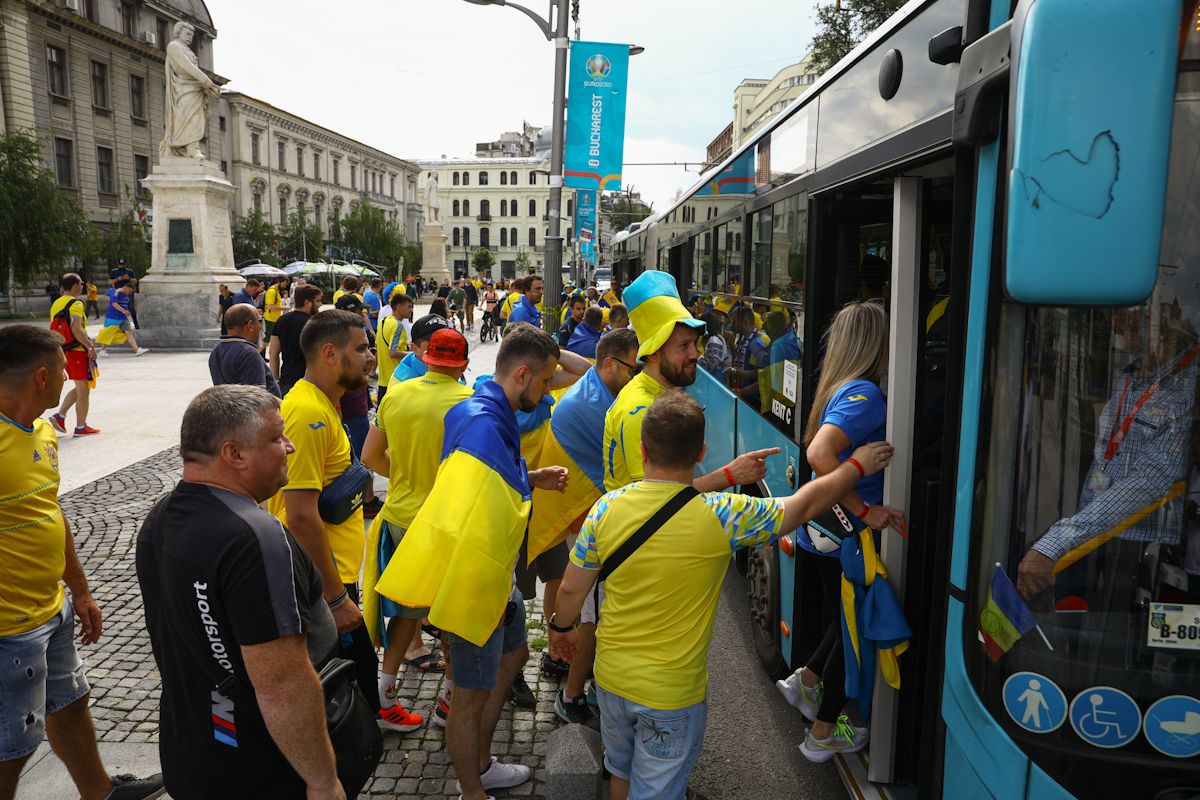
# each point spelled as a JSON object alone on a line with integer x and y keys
{"x": 322, "y": 454}
{"x": 510, "y": 300}
{"x": 387, "y": 333}
{"x": 33, "y": 536}
{"x": 77, "y": 310}
{"x": 272, "y": 299}
{"x": 91, "y": 291}
{"x": 623, "y": 431}
{"x": 659, "y": 607}
{"x": 411, "y": 415}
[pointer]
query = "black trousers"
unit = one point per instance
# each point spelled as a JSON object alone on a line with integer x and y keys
{"x": 358, "y": 648}
{"x": 827, "y": 660}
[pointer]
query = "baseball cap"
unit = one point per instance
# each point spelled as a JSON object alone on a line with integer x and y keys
{"x": 348, "y": 302}
{"x": 424, "y": 328}
{"x": 447, "y": 348}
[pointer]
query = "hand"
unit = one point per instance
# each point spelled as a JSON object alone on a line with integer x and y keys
{"x": 334, "y": 792}
{"x": 563, "y": 646}
{"x": 91, "y": 621}
{"x": 552, "y": 479}
{"x": 752, "y": 466}
{"x": 91, "y": 352}
{"x": 1035, "y": 574}
{"x": 874, "y": 456}
{"x": 347, "y": 617}
{"x": 880, "y": 517}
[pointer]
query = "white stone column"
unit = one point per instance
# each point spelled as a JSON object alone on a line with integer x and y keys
{"x": 433, "y": 254}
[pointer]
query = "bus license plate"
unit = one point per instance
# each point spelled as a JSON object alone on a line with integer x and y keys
{"x": 1175, "y": 626}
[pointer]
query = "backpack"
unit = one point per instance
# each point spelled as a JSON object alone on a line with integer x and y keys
{"x": 60, "y": 323}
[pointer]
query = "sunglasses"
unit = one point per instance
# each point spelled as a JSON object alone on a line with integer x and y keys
{"x": 634, "y": 369}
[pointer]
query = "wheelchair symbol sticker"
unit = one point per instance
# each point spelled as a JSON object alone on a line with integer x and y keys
{"x": 1105, "y": 717}
{"x": 1173, "y": 726}
{"x": 1035, "y": 702}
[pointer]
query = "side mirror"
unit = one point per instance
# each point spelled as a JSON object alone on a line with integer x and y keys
{"x": 1090, "y": 102}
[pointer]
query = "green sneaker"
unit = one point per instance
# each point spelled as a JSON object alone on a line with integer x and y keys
{"x": 845, "y": 739}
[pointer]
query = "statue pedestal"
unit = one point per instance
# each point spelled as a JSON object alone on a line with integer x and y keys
{"x": 192, "y": 254}
{"x": 433, "y": 254}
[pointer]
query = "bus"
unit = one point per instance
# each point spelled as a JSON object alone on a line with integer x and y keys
{"x": 1019, "y": 183}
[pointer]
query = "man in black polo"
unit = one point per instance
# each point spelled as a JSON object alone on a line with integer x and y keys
{"x": 120, "y": 276}
{"x": 236, "y": 359}
{"x": 285, "y": 341}
{"x": 228, "y": 590}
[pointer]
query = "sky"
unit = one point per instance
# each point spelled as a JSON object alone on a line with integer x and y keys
{"x": 427, "y": 78}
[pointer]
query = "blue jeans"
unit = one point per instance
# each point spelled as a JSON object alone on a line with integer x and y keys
{"x": 40, "y": 673}
{"x": 477, "y": 667}
{"x": 652, "y": 749}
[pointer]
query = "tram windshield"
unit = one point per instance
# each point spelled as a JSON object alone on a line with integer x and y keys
{"x": 1086, "y": 583}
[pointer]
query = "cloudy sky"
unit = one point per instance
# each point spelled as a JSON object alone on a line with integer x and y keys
{"x": 426, "y": 78}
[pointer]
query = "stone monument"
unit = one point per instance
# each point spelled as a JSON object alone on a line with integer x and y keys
{"x": 192, "y": 249}
{"x": 433, "y": 238}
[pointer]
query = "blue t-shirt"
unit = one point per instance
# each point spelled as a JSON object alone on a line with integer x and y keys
{"x": 373, "y": 303}
{"x": 525, "y": 311}
{"x": 578, "y": 424}
{"x": 116, "y": 298}
{"x": 409, "y": 367}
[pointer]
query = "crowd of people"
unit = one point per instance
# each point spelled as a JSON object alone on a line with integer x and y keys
{"x": 579, "y": 456}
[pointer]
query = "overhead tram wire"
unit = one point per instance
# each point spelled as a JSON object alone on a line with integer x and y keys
{"x": 720, "y": 69}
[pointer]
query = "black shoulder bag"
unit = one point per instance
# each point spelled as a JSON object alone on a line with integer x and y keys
{"x": 347, "y": 492}
{"x": 648, "y": 529}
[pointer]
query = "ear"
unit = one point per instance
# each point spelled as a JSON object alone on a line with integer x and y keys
{"x": 231, "y": 454}
{"x": 703, "y": 452}
{"x": 645, "y": 455}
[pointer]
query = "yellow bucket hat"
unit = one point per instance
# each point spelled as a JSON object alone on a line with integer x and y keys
{"x": 723, "y": 304}
{"x": 655, "y": 309}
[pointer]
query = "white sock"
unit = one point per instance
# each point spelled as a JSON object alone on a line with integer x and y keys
{"x": 387, "y": 690}
{"x": 447, "y": 686}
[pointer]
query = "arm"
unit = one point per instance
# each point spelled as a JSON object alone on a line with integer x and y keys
{"x": 293, "y": 708}
{"x": 375, "y": 452}
{"x": 91, "y": 623}
{"x": 573, "y": 590}
{"x": 823, "y": 457}
{"x": 81, "y": 336}
{"x": 308, "y": 528}
{"x": 746, "y": 468}
{"x": 573, "y": 366}
{"x": 273, "y": 354}
{"x": 821, "y": 493}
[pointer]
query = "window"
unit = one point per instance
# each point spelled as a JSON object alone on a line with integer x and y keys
{"x": 504, "y": 237}
{"x": 164, "y": 33}
{"x": 512, "y": 178}
{"x": 392, "y": 186}
{"x": 455, "y": 179}
{"x": 485, "y": 239}
{"x": 64, "y": 162}
{"x": 337, "y": 168}
{"x": 89, "y": 10}
{"x": 533, "y": 237}
{"x": 137, "y": 97}
{"x": 533, "y": 208}
{"x": 483, "y": 179}
{"x": 254, "y": 156}
{"x": 128, "y": 19}
{"x": 485, "y": 209}
{"x": 512, "y": 207}
{"x": 504, "y": 208}
{"x": 466, "y": 237}
{"x": 141, "y": 168}
{"x": 532, "y": 178}
{"x": 318, "y": 216}
{"x": 299, "y": 160}
{"x": 257, "y": 203}
{"x": 457, "y": 236}
{"x": 512, "y": 236}
{"x": 300, "y": 209}
{"x": 570, "y": 207}
{"x": 466, "y": 179}
{"x": 282, "y": 210}
{"x": 225, "y": 166}
{"x": 220, "y": 123}
{"x": 466, "y": 208}
{"x": 56, "y": 67}
{"x": 105, "y": 180}
{"x": 456, "y": 209}
{"x": 281, "y": 151}
{"x": 353, "y": 176}
{"x": 99, "y": 85}
{"x": 503, "y": 178}
{"x": 316, "y": 166}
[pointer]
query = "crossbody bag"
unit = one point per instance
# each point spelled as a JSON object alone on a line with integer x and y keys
{"x": 347, "y": 492}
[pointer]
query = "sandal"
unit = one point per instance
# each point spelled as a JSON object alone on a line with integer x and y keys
{"x": 430, "y": 662}
{"x": 430, "y": 630}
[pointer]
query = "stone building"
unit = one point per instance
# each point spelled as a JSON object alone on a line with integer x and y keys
{"x": 756, "y": 102}
{"x": 281, "y": 163}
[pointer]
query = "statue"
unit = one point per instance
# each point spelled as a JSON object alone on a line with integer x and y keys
{"x": 433, "y": 206}
{"x": 189, "y": 97}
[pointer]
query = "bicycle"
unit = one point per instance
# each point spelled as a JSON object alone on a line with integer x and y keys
{"x": 487, "y": 328}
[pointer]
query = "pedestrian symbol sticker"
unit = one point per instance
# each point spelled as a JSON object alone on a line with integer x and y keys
{"x": 1173, "y": 726}
{"x": 1105, "y": 717}
{"x": 1035, "y": 702}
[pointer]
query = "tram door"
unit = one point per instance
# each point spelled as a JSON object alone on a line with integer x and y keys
{"x": 889, "y": 240}
{"x": 679, "y": 264}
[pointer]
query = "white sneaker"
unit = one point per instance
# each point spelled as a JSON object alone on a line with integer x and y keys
{"x": 845, "y": 738}
{"x": 141, "y": 351}
{"x": 502, "y": 776}
{"x": 102, "y": 353}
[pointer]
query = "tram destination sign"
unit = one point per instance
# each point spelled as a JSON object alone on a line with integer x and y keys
{"x": 597, "y": 80}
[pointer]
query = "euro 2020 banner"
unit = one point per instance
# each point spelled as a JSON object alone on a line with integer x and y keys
{"x": 597, "y": 80}
{"x": 585, "y": 214}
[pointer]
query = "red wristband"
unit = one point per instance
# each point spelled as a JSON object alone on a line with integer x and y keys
{"x": 866, "y": 509}
{"x": 862, "y": 473}
{"x": 729, "y": 475}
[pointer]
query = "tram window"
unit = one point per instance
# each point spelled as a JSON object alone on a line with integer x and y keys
{"x": 702, "y": 253}
{"x": 763, "y": 230}
{"x": 1091, "y": 490}
{"x": 733, "y": 255}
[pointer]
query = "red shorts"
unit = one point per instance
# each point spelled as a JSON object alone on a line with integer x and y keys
{"x": 78, "y": 365}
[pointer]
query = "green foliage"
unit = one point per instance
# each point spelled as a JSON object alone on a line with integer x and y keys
{"x": 483, "y": 260}
{"x": 626, "y": 212}
{"x": 412, "y": 258}
{"x": 126, "y": 237}
{"x": 843, "y": 24}
{"x": 300, "y": 237}
{"x": 254, "y": 239}
{"x": 522, "y": 264}
{"x": 41, "y": 226}
{"x": 369, "y": 232}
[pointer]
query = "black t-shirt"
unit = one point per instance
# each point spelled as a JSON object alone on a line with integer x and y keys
{"x": 291, "y": 357}
{"x": 472, "y": 293}
{"x": 121, "y": 275}
{"x": 217, "y": 572}
{"x": 444, "y": 291}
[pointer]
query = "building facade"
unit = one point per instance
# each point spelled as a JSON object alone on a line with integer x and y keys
{"x": 281, "y": 163}
{"x": 511, "y": 144}
{"x": 501, "y": 204}
{"x": 757, "y": 101}
{"x": 86, "y": 78}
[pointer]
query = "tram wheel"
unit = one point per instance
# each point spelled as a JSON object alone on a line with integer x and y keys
{"x": 762, "y": 571}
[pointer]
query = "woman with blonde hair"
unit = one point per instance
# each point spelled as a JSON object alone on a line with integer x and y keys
{"x": 849, "y": 410}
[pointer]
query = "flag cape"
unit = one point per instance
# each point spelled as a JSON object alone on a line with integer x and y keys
{"x": 458, "y": 556}
{"x": 111, "y": 333}
{"x": 1005, "y": 618}
{"x": 372, "y": 602}
{"x": 873, "y": 624}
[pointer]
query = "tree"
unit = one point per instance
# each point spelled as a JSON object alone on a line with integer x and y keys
{"x": 412, "y": 255}
{"x": 123, "y": 238}
{"x": 40, "y": 225}
{"x": 375, "y": 237}
{"x": 522, "y": 265}
{"x": 483, "y": 260}
{"x": 300, "y": 237}
{"x": 254, "y": 240}
{"x": 844, "y": 24}
{"x": 625, "y": 212}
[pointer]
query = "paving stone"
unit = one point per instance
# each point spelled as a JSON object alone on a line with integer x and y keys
{"x": 573, "y": 764}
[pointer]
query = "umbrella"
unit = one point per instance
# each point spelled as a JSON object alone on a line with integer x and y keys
{"x": 260, "y": 270}
{"x": 317, "y": 267}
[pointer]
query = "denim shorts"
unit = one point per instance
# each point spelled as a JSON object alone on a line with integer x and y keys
{"x": 654, "y": 750}
{"x": 40, "y": 673}
{"x": 477, "y": 667}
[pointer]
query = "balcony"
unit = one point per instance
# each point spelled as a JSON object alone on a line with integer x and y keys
{"x": 484, "y": 216}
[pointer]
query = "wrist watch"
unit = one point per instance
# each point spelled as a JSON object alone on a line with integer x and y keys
{"x": 559, "y": 628}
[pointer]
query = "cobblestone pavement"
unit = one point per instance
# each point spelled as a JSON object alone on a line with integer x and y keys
{"x": 105, "y": 516}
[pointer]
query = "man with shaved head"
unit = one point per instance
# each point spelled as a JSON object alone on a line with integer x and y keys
{"x": 236, "y": 359}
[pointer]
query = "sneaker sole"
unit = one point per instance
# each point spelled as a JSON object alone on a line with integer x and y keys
{"x": 821, "y": 756}
{"x": 391, "y": 726}
{"x": 54, "y": 424}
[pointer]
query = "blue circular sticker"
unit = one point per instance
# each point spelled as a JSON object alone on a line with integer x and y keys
{"x": 1173, "y": 726}
{"x": 1035, "y": 702}
{"x": 1105, "y": 717}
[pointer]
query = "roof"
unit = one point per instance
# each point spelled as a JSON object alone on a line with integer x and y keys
{"x": 196, "y": 9}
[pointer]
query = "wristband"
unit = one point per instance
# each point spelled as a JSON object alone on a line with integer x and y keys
{"x": 728, "y": 475}
{"x": 866, "y": 509}
{"x": 862, "y": 473}
{"x": 558, "y": 628}
{"x": 338, "y": 601}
